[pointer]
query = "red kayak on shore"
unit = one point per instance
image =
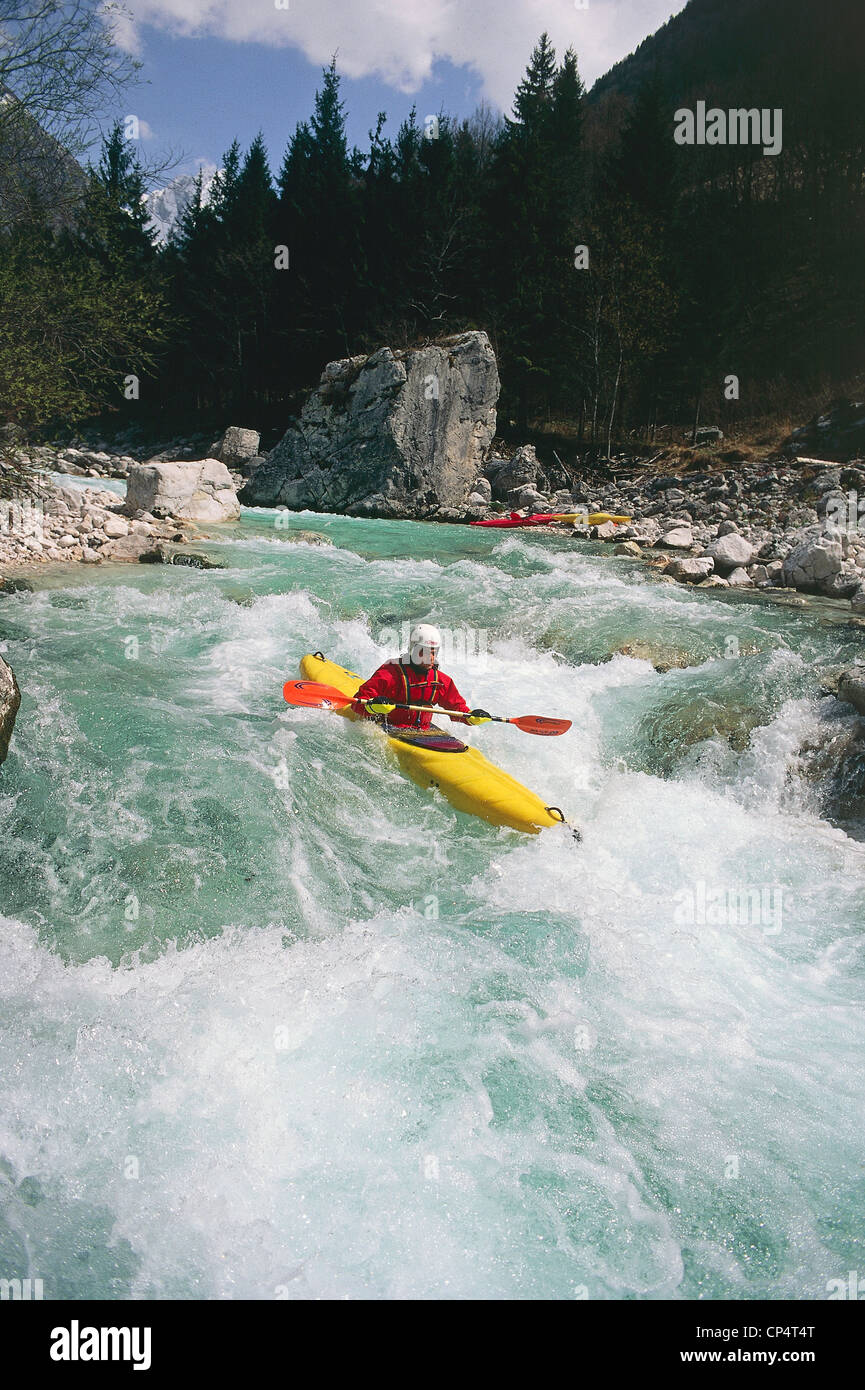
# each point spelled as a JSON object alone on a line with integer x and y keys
{"x": 507, "y": 523}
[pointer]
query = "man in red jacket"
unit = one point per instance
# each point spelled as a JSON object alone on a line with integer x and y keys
{"x": 414, "y": 680}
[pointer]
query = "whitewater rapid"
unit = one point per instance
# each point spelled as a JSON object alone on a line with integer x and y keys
{"x": 276, "y": 1024}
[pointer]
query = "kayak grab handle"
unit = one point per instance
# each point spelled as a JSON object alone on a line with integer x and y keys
{"x": 319, "y": 656}
{"x": 560, "y": 816}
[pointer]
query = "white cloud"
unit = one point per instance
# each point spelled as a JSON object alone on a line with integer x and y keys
{"x": 398, "y": 41}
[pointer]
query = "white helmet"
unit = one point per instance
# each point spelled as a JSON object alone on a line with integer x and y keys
{"x": 424, "y": 644}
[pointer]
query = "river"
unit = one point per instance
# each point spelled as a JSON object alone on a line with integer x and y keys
{"x": 277, "y": 1024}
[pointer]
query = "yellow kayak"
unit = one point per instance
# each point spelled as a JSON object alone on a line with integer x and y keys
{"x": 593, "y": 519}
{"x": 432, "y": 758}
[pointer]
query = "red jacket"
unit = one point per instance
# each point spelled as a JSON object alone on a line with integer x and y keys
{"x": 399, "y": 682}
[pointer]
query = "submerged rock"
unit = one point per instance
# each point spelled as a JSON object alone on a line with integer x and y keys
{"x": 166, "y": 555}
{"x": 397, "y": 434}
{"x": 661, "y": 657}
{"x": 851, "y": 688}
{"x": 309, "y": 537}
{"x": 682, "y": 722}
{"x": 10, "y": 701}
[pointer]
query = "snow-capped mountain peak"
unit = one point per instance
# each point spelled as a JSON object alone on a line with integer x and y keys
{"x": 167, "y": 205}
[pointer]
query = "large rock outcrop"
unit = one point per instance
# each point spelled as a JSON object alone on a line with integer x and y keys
{"x": 198, "y": 490}
{"x": 10, "y": 699}
{"x": 397, "y": 434}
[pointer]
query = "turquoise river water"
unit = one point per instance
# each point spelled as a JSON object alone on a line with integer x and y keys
{"x": 274, "y": 1023}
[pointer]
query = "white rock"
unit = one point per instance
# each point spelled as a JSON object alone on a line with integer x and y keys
{"x": 678, "y": 538}
{"x": 690, "y": 569}
{"x": 115, "y": 527}
{"x": 730, "y": 552}
{"x": 740, "y": 579}
{"x": 200, "y": 490}
{"x": 813, "y": 561}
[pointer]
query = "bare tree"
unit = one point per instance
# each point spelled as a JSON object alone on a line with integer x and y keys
{"x": 61, "y": 61}
{"x": 61, "y": 69}
{"x": 485, "y": 126}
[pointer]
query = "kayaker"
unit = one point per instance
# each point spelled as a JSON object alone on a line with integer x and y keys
{"x": 415, "y": 679}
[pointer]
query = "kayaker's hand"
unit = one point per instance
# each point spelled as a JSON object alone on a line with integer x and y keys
{"x": 378, "y": 707}
{"x": 478, "y": 716}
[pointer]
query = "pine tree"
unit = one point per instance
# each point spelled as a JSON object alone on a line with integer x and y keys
{"x": 534, "y": 96}
{"x": 644, "y": 169}
{"x": 318, "y": 220}
{"x": 114, "y": 217}
{"x": 536, "y": 189}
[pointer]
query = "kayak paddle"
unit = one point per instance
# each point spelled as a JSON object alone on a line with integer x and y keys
{"x": 313, "y": 694}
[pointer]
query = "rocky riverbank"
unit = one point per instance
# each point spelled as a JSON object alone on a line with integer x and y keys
{"x": 164, "y": 502}
{"x": 719, "y": 522}
{"x": 410, "y": 435}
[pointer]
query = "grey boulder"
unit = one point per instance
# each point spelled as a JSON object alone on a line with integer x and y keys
{"x": 237, "y": 446}
{"x": 10, "y": 700}
{"x": 851, "y": 687}
{"x": 814, "y": 563}
{"x": 690, "y": 569}
{"x": 730, "y": 552}
{"x": 397, "y": 434}
{"x": 519, "y": 471}
{"x": 677, "y": 538}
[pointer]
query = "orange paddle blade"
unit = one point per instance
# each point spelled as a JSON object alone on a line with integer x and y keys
{"x": 539, "y": 724}
{"x": 315, "y": 695}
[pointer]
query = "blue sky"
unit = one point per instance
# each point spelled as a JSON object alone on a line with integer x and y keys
{"x": 214, "y": 70}
{"x": 201, "y": 93}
